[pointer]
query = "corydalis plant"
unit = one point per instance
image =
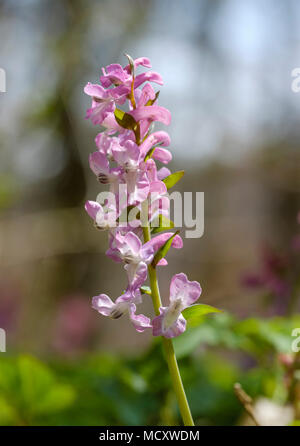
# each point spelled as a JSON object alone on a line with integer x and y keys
{"x": 125, "y": 161}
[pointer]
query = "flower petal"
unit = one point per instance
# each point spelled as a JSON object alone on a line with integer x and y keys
{"x": 163, "y": 173}
{"x": 95, "y": 90}
{"x": 160, "y": 239}
{"x": 133, "y": 242}
{"x": 98, "y": 163}
{"x": 140, "y": 321}
{"x": 152, "y": 140}
{"x": 176, "y": 328}
{"x": 162, "y": 155}
{"x": 182, "y": 288}
{"x": 92, "y": 208}
{"x": 103, "y": 304}
{"x": 148, "y": 76}
{"x": 152, "y": 113}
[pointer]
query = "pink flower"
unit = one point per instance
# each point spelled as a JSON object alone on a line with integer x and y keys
{"x": 127, "y": 155}
{"x": 155, "y": 175}
{"x": 105, "y": 144}
{"x": 144, "y": 95}
{"x": 115, "y": 74}
{"x": 183, "y": 293}
{"x": 148, "y": 76}
{"x": 103, "y": 101}
{"x": 159, "y": 202}
{"x": 100, "y": 166}
{"x": 137, "y": 185}
{"x": 129, "y": 249}
{"x": 103, "y": 218}
{"x": 123, "y": 305}
{"x": 125, "y": 160}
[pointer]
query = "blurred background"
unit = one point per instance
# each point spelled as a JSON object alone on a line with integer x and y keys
{"x": 235, "y": 131}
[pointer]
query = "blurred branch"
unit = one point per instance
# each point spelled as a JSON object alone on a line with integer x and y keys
{"x": 246, "y": 401}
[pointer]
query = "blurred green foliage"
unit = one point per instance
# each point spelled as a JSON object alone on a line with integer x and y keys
{"x": 116, "y": 390}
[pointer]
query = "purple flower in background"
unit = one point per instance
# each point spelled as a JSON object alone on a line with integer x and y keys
{"x": 278, "y": 276}
{"x": 183, "y": 293}
{"x": 74, "y": 325}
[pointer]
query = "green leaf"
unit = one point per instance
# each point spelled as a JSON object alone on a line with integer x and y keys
{"x": 194, "y": 314}
{"x": 164, "y": 223}
{"x": 149, "y": 153}
{"x": 172, "y": 179}
{"x": 218, "y": 331}
{"x": 145, "y": 290}
{"x": 151, "y": 101}
{"x": 128, "y": 122}
{"x": 162, "y": 252}
{"x": 125, "y": 120}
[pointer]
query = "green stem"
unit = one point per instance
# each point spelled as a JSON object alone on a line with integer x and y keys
{"x": 167, "y": 343}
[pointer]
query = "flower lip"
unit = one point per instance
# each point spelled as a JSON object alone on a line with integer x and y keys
{"x": 119, "y": 310}
{"x": 172, "y": 313}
